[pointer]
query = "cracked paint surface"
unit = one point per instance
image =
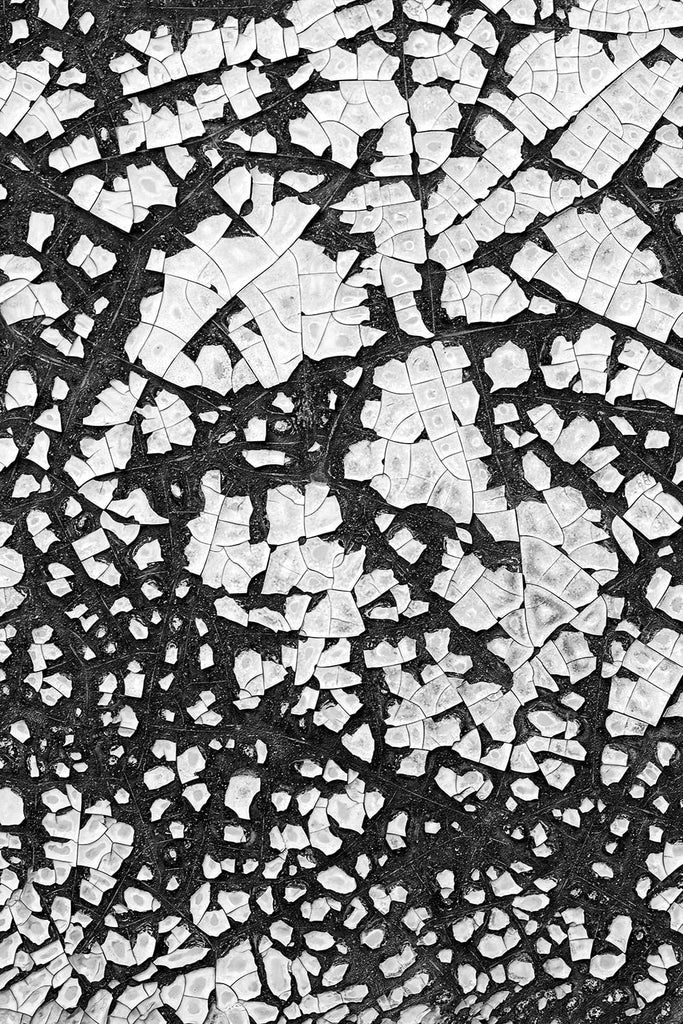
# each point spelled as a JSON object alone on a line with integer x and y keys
{"x": 341, "y": 584}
